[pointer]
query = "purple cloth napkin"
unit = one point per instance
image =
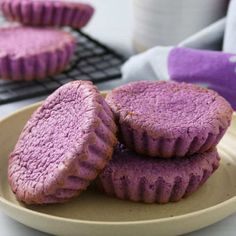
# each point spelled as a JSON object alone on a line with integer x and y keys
{"x": 214, "y": 70}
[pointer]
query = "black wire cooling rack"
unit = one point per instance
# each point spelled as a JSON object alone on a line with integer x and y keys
{"x": 92, "y": 61}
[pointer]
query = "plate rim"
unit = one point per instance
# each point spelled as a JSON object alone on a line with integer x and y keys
{"x": 211, "y": 209}
{"x": 8, "y": 203}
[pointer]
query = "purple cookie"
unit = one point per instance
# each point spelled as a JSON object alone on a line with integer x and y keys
{"x": 63, "y": 147}
{"x": 138, "y": 178}
{"x": 169, "y": 119}
{"x": 47, "y": 12}
{"x": 33, "y": 53}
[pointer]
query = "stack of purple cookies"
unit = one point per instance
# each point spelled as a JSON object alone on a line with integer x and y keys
{"x": 36, "y": 50}
{"x": 164, "y": 150}
{"x": 169, "y": 132}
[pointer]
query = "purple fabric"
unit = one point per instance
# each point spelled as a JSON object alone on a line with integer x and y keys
{"x": 216, "y": 70}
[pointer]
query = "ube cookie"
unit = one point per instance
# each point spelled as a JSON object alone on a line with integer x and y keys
{"x": 168, "y": 119}
{"x": 47, "y": 12}
{"x": 155, "y": 180}
{"x": 63, "y": 147}
{"x": 33, "y": 53}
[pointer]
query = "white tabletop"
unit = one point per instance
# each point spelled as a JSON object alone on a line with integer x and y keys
{"x": 112, "y": 24}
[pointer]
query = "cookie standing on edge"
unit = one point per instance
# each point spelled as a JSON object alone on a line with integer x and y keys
{"x": 169, "y": 119}
{"x": 47, "y": 12}
{"x": 32, "y": 53}
{"x": 64, "y": 145}
{"x": 154, "y": 180}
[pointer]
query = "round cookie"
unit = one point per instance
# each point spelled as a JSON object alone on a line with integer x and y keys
{"x": 32, "y": 53}
{"x": 155, "y": 180}
{"x": 63, "y": 147}
{"x": 47, "y": 12}
{"x": 169, "y": 119}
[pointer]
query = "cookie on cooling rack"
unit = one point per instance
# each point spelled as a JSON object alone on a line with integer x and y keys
{"x": 47, "y": 12}
{"x": 34, "y": 53}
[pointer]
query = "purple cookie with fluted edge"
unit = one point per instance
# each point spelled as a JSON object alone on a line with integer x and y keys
{"x": 169, "y": 119}
{"x": 34, "y": 53}
{"x": 47, "y": 12}
{"x": 63, "y": 147}
{"x": 155, "y": 180}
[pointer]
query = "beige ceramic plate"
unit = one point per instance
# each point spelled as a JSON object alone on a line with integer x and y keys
{"x": 96, "y": 214}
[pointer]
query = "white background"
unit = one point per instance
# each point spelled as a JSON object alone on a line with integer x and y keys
{"x": 112, "y": 24}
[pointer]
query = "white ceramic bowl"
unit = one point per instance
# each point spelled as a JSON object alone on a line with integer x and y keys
{"x": 168, "y": 22}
